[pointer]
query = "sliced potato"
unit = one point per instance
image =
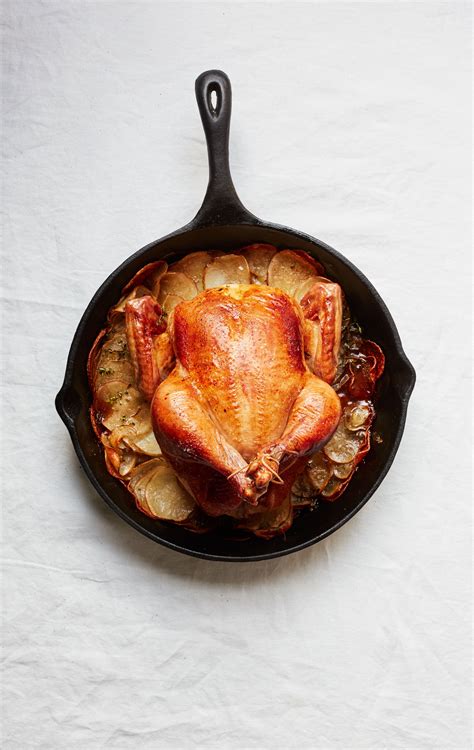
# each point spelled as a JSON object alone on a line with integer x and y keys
{"x": 358, "y": 415}
{"x": 140, "y": 477}
{"x": 289, "y": 269}
{"x": 108, "y": 393}
{"x": 112, "y": 461}
{"x": 364, "y": 447}
{"x": 114, "y": 355}
{"x": 270, "y": 522}
{"x": 128, "y": 459}
{"x": 93, "y": 358}
{"x": 343, "y": 471}
{"x": 141, "y": 422}
{"x": 318, "y": 471}
{"x": 110, "y": 370}
{"x": 303, "y": 289}
{"x": 193, "y": 265}
{"x": 176, "y": 283}
{"x": 343, "y": 446}
{"x": 154, "y": 280}
{"x": 302, "y": 488}
{"x": 136, "y": 434}
{"x": 302, "y": 492}
{"x": 226, "y": 269}
{"x": 158, "y": 492}
{"x": 375, "y": 356}
{"x": 258, "y": 257}
{"x": 96, "y": 424}
{"x": 145, "y": 443}
{"x": 138, "y": 291}
{"x": 118, "y": 433}
{"x": 117, "y": 402}
{"x": 301, "y": 501}
{"x": 142, "y": 470}
{"x": 334, "y": 488}
{"x": 166, "y": 498}
{"x": 116, "y": 342}
{"x": 146, "y": 275}
{"x": 170, "y": 302}
{"x": 318, "y": 267}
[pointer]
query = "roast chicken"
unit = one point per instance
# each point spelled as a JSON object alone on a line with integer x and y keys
{"x": 238, "y": 381}
{"x": 218, "y": 382}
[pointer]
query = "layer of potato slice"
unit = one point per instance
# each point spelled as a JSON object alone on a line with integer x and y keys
{"x": 109, "y": 369}
{"x": 302, "y": 489}
{"x": 145, "y": 443}
{"x": 137, "y": 434}
{"x": 166, "y": 498}
{"x": 258, "y": 257}
{"x": 143, "y": 469}
{"x": 116, "y": 342}
{"x": 117, "y": 401}
{"x": 108, "y": 393}
{"x": 128, "y": 460}
{"x": 303, "y": 289}
{"x": 358, "y": 415}
{"x": 154, "y": 280}
{"x": 141, "y": 422}
{"x": 119, "y": 461}
{"x": 159, "y": 494}
{"x": 112, "y": 461}
{"x": 318, "y": 471}
{"x": 270, "y": 522}
{"x": 147, "y": 276}
{"x": 298, "y": 501}
{"x": 176, "y": 283}
{"x": 288, "y": 270}
{"x": 193, "y": 265}
{"x": 140, "y": 477}
{"x": 138, "y": 291}
{"x": 113, "y": 361}
{"x": 343, "y": 471}
{"x": 125, "y": 437}
{"x": 334, "y": 488}
{"x": 226, "y": 269}
{"x": 343, "y": 446}
{"x": 170, "y": 302}
{"x": 375, "y": 357}
{"x": 94, "y": 356}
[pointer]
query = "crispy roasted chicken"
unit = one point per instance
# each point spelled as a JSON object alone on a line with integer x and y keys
{"x": 242, "y": 408}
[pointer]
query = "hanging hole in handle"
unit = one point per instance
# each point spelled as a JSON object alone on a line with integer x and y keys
{"x": 214, "y": 100}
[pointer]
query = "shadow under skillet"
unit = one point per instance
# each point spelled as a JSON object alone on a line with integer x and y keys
{"x": 215, "y": 573}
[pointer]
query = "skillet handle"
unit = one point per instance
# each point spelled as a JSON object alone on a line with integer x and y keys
{"x": 221, "y": 203}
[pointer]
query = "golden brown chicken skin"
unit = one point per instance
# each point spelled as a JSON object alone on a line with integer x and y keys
{"x": 241, "y": 411}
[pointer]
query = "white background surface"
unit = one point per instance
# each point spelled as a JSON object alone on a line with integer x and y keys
{"x": 350, "y": 122}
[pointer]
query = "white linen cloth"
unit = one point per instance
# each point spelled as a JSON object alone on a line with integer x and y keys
{"x": 350, "y": 122}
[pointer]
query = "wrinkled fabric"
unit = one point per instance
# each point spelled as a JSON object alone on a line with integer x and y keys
{"x": 350, "y": 122}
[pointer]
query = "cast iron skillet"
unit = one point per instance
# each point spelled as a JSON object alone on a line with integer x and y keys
{"x": 223, "y": 222}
